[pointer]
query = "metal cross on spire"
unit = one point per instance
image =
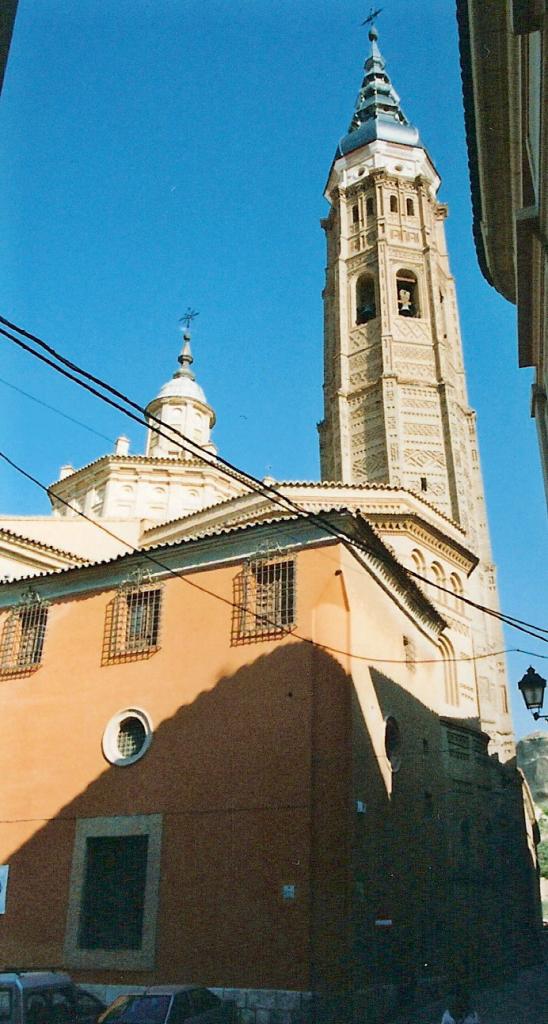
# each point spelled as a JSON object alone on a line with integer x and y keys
{"x": 188, "y": 317}
{"x": 372, "y": 16}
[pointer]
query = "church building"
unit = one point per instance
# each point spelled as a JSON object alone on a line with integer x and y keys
{"x": 258, "y": 737}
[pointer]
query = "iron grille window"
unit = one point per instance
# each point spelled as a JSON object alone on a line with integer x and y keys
{"x": 143, "y": 619}
{"x": 265, "y": 599}
{"x": 131, "y": 737}
{"x": 133, "y": 619}
{"x": 409, "y": 652}
{"x": 23, "y": 635}
{"x": 458, "y": 745}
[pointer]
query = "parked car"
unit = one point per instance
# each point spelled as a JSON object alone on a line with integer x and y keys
{"x": 171, "y": 1004}
{"x": 45, "y": 997}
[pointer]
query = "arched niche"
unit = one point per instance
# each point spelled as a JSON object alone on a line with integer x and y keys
{"x": 455, "y": 584}
{"x": 449, "y": 671}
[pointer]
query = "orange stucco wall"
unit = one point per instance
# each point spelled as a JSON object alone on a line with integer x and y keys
{"x": 251, "y": 768}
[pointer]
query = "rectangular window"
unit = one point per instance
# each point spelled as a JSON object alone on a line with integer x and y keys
{"x": 132, "y": 625}
{"x": 114, "y": 892}
{"x": 33, "y": 630}
{"x": 23, "y": 637}
{"x": 113, "y": 895}
{"x": 274, "y": 594}
{"x": 143, "y": 619}
{"x": 265, "y": 599}
{"x": 458, "y": 745}
{"x": 409, "y": 652}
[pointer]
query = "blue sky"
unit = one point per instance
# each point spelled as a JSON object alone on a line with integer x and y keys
{"x": 172, "y": 153}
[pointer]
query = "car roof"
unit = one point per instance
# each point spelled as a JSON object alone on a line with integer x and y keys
{"x": 36, "y": 979}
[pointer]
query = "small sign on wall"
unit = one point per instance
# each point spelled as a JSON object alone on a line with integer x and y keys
{"x": 4, "y": 871}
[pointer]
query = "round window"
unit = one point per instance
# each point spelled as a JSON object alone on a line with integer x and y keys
{"x": 127, "y": 737}
{"x": 393, "y": 743}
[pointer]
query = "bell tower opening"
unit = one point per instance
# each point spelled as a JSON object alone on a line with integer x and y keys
{"x": 407, "y": 292}
{"x": 366, "y": 306}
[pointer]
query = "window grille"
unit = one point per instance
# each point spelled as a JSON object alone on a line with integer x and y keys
{"x": 264, "y": 599}
{"x": 458, "y": 745}
{"x": 23, "y": 635}
{"x": 131, "y": 737}
{"x": 409, "y": 652}
{"x": 133, "y": 618}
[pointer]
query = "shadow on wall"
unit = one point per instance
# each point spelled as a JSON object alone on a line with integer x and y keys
{"x": 252, "y": 780}
{"x": 282, "y": 853}
{"x": 472, "y": 887}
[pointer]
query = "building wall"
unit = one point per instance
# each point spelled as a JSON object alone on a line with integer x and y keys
{"x": 261, "y": 752}
{"x": 250, "y": 770}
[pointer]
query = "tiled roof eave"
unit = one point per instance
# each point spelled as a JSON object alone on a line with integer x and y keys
{"x": 22, "y": 538}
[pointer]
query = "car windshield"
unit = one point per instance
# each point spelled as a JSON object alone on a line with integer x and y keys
{"x": 139, "y": 1010}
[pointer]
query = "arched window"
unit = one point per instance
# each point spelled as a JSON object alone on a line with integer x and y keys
{"x": 370, "y": 206}
{"x": 437, "y": 576}
{"x": 418, "y": 561}
{"x": 366, "y": 308}
{"x": 456, "y": 586}
{"x": 407, "y": 293}
{"x": 393, "y": 204}
{"x": 410, "y": 207}
{"x": 449, "y": 671}
{"x": 393, "y": 743}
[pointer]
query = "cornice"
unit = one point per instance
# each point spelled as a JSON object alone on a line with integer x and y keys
{"x": 127, "y": 461}
{"x": 414, "y": 526}
{"x": 387, "y": 565}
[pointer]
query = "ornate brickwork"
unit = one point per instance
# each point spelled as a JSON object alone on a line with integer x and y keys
{"x": 396, "y": 410}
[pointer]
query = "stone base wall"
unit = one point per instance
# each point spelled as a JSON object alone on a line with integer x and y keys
{"x": 373, "y": 1005}
{"x": 256, "y": 1005}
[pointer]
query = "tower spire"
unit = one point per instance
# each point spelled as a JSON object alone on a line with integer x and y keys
{"x": 377, "y": 111}
{"x": 185, "y": 359}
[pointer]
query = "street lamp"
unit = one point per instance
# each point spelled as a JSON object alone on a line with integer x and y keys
{"x": 532, "y": 688}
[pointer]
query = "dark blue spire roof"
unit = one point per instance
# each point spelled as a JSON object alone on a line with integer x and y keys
{"x": 377, "y": 114}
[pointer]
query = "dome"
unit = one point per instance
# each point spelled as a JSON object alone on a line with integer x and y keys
{"x": 180, "y": 407}
{"x": 378, "y": 128}
{"x": 182, "y": 387}
{"x": 183, "y": 384}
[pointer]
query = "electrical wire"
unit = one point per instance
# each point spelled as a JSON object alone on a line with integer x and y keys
{"x": 271, "y": 493}
{"x": 253, "y": 483}
{"x": 237, "y": 607}
{"x": 53, "y": 408}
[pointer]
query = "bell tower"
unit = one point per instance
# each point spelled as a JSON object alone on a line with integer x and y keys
{"x": 397, "y": 427}
{"x": 396, "y": 410}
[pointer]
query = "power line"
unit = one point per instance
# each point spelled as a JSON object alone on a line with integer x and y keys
{"x": 53, "y": 408}
{"x": 268, "y": 491}
{"x": 271, "y": 493}
{"x": 232, "y": 604}
{"x": 226, "y": 467}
